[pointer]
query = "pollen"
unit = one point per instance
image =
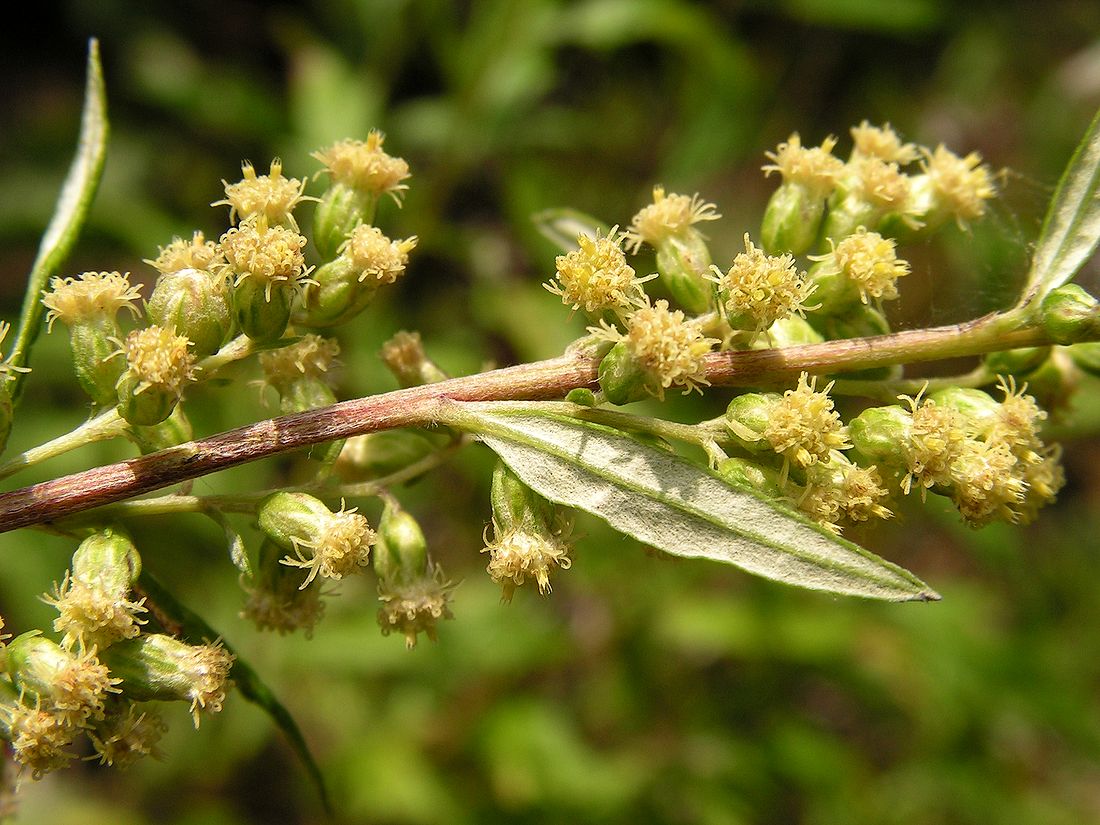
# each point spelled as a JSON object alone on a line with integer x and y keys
{"x": 815, "y": 168}
{"x": 415, "y": 607}
{"x": 882, "y": 142}
{"x": 596, "y": 276}
{"x": 89, "y": 297}
{"x": 272, "y": 195}
{"x": 517, "y": 555}
{"x": 197, "y": 253}
{"x": 159, "y": 358}
{"x": 376, "y": 257}
{"x": 962, "y": 184}
{"x": 667, "y": 216}
{"x": 803, "y": 427}
{"x": 671, "y": 348}
{"x": 761, "y": 289}
{"x": 870, "y": 262}
{"x": 364, "y": 166}
{"x": 338, "y": 546}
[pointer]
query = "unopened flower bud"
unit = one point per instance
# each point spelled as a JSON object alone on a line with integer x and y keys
{"x": 747, "y": 418}
{"x": 793, "y": 216}
{"x": 326, "y": 543}
{"x": 622, "y": 376}
{"x": 682, "y": 261}
{"x": 401, "y": 551}
{"x": 404, "y": 356}
{"x": 74, "y": 685}
{"x": 158, "y": 667}
{"x": 744, "y": 473}
{"x": 109, "y": 560}
{"x": 880, "y": 434}
{"x": 171, "y": 432}
{"x": 789, "y": 332}
{"x": 1070, "y": 315}
{"x": 195, "y": 303}
{"x": 339, "y": 211}
{"x": 1016, "y": 361}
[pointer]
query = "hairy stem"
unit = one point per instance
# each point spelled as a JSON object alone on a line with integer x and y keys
{"x": 419, "y": 406}
{"x": 104, "y": 426}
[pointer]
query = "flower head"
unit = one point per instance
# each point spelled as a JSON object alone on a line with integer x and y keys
{"x": 1044, "y": 478}
{"x": 870, "y": 262}
{"x": 197, "y": 253}
{"x": 284, "y": 609}
{"x": 376, "y": 257}
{"x": 39, "y": 736}
{"x": 668, "y": 215}
{"x": 838, "y": 490}
{"x": 803, "y": 427}
{"x": 126, "y": 735}
{"x": 88, "y": 297}
{"x": 158, "y": 358}
{"x": 517, "y": 554}
{"x": 336, "y": 545}
{"x": 938, "y": 434}
{"x": 880, "y": 182}
{"x": 268, "y": 254}
{"x": 92, "y": 615}
{"x": 365, "y": 166}
{"x": 760, "y": 289}
{"x": 963, "y": 185}
{"x": 986, "y": 483}
{"x": 815, "y": 168}
{"x": 271, "y": 195}
{"x": 415, "y": 606}
{"x": 882, "y": 142}
{"x": 596, "y": 276}
{"x": 309, "y": 357}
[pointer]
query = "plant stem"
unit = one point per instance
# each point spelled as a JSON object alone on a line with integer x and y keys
{"x": 104, "y": 426}
{"x": 543, "y": 380}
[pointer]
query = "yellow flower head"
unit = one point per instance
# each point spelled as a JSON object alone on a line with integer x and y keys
{"x": 1044, "y": 478}
{"x": 197, "y": 253}
{"x": 365, "y": 167}
{"x": 937, "y": 437}
{"x": 124, "y": 737}
{"x": 1017, "y": 422}
{"x": 159, "y": 358}
{"x": 839, "y": 491}
{"x": 882, "y": 142}
{"x": 338, "y": 545}
{"x": 271, "y": 195}
{"x": 963, "y": 185}
{"x": 815, "y": 168}
{"x": 90, "y": 296}
{"x": 309, "y": 357}
{"x": 761, "y": 289}
{"x": 803, "y": 427}
{"x": 880, "y": 182}
{"x": 668, "y": 215}
{"x": 284, "y": 611}
{"x": 269, "y": 254}
{"x": 38, "y": 737}
{"x": 596, "y": 276}
{"x": 207, "y": 668}
{"x": 870, "y": 262}
{"x": 517, "y": 554}
{"x": 986, "y": 483}
{"x": 671, "y": 348}
{"x": 416, "y": 606}
{"x": 91, "y": 615}
{"x": 375, "y": 256}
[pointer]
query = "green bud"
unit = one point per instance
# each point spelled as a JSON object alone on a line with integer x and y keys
{"x": 623, "y": 378}
{"x": 287, "y": 518}
{"x": 374, "y": 455}
{"x": 879, "y": 435}
{"x": 158, "y": 667}
{"x": 792, "y": 220}
{"x": 581, "y": 396}
{"x": 1069, "y": 315}
{"x": 195, "y": 303}
{"x": 747, "y": 417}
{"x": 262, "y": 313}
{"x": 978, "y": 408}
{"x": 340, "y": 210}
{"x": 794, "y": 331}
{"x": 835, "y": 291}
{"x": 744, "y": 473}
{"x": 152, "y": 405}
{"x": 94, "y": 341}
{"x": 74, "y": 685}
{"x": 515, "y": 504}
{"x": 682, "y": 259}
{"x": 846, "y": 215}
{"x": 401, "y": 552}
{"x": 1086, "y": 356}
{"x": 1016, "y": 361}
{"x": 171, "y": 432}
{"x": 107, "y": 560}
{"x": 404, "y": 356}
{"x": 336, "y": 297}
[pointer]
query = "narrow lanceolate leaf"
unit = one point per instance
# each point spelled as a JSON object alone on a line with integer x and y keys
{"x": 666, "y": 501}
{"x": 1071, "y": 229}
{"x": 71, "y": 210}
{"x": 562, "y": 227}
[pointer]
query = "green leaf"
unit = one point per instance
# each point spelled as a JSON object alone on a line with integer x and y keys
{"x": 233, "y": 541}
{"x": 562, "y": 227}
{"x": 1071, "y": 229}
{"x": 69, "y": 215}
{"x": 666, "y": 501}
{"x": 195, "y": 629}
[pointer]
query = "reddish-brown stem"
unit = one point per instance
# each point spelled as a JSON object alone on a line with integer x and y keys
{"x": 53, "y": 500}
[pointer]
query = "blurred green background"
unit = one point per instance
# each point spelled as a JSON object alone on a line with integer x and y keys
{"x": 643, "y": 690}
